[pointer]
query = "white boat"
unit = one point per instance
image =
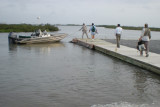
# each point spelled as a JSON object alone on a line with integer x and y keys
{"x": 36, "y": 37}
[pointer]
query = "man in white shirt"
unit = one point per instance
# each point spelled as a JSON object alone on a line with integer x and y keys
{"x": 118, "y": 35}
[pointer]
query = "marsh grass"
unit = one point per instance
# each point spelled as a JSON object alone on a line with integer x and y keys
{"x": 26, "y": 27}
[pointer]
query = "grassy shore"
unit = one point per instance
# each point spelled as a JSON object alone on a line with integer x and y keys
{"x": 26, "y": 27}
{"x": 129, "y": 27}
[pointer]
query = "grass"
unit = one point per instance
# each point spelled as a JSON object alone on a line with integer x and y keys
{"x": 26, "y": 27}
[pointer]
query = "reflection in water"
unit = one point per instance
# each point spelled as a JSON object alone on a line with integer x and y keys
{"x": 12, "y": 47}
{"x": 39, "y": 48}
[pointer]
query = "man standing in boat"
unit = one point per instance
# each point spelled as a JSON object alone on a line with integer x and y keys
{"x": 84, "y": 30}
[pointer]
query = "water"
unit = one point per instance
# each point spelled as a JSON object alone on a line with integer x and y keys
{"x": 104, "y": 33}
{"x": 67, "y": 75}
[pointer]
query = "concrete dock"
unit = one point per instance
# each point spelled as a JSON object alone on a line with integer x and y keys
{"x": 130, "y": 55}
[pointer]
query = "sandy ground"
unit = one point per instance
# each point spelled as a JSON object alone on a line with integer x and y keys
{"x": 154, "y": 45}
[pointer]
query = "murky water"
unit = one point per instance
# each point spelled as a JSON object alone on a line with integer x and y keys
{"x": 67, "y": 75}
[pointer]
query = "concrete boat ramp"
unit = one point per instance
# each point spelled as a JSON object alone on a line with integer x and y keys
{"x": 130, "y": 55}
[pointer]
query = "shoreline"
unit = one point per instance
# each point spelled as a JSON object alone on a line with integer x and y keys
{"x": 153, "y": 44}
{"x": 130, "y": 27}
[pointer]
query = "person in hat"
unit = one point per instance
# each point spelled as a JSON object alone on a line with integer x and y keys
{"x": 84, "y": 30}
{"x": 93, "y": 31}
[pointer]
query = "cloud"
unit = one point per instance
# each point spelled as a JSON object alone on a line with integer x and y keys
{"x": 127, "y": 12}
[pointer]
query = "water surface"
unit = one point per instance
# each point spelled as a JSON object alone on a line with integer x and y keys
{"x": 67, "y": 75}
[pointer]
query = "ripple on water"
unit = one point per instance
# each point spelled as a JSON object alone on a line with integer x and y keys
{"x": 124, "y": 104}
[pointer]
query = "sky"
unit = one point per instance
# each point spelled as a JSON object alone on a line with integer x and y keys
{"x": 100, "y": 12}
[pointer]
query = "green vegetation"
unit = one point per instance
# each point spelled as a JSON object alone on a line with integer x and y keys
{"x": 26, "y": 27}
{"x": 72, "y": 25}
{"x": 128, "y": 27}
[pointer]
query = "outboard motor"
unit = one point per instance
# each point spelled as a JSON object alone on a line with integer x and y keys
{"x": 12, "y": 37}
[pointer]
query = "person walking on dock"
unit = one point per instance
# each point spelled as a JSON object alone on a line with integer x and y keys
{"x": 93, "y": 31}
{"x": 145, "y": 37}
{"x": 118, "y": 35}
{"x": 84, "y": 30}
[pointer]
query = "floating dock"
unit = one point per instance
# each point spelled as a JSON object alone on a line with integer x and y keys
{"x": 130, "y": 55}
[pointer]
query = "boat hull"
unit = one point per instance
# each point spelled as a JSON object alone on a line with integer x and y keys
{"x": 34, "y": 40}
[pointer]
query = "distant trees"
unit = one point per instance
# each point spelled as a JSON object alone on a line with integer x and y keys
{"x": 128, "y": 27}
{"x": 26, "y": 27}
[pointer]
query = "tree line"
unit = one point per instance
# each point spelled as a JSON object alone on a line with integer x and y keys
{"x": 26, "y": 27}
{"x": 128, "y": 27}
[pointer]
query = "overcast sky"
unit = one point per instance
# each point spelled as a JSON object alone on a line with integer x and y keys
{"x": 101, "y": 12}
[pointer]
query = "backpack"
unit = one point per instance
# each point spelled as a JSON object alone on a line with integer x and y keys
{"x": 93, "y": 29}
